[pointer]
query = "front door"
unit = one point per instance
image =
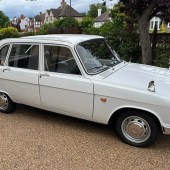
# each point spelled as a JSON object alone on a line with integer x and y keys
{"x": 62, "y": 87}
{"x": 20, "y": 74}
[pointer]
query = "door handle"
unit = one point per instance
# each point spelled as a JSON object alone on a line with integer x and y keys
{"x": 44, "y": 75}
{"x": 6, "y": 69}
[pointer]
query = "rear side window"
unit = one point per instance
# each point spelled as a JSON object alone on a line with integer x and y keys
{"x": 24, "y": 56}
{"x": 3, "y": 54}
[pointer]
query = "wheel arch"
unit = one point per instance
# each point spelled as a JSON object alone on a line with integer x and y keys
{"x": 119, "y": 111}
{"x": 2, "y": 91}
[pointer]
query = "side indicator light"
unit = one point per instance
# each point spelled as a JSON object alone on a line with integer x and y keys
{"x": 103, "y": 100}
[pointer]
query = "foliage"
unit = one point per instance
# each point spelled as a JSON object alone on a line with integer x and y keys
{"x": 86, "y": 22}
{"x": 24, "y": 34}
{"x": 121, "y": 20}
{"x": 144, "y": 10}
{"x": 4, "y": 20}
{"x": 9, "y": 32}
{"x": 45, "y": 28}
{"x": 91, "y": 31}
{"x": 122, "y": 36}
{"x": 124, "y": 43}
{"x": 67, "y": 22}
{"x": 162, "y": 58}
{"x": 93, "y": 12}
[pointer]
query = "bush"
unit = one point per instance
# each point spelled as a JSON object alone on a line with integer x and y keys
{"x": 9, "y": 32}
{"x": 45, "y": 28}
{"x": 162, "y": 57}
{"x": 67, "y": 22}
{"x": 91, "y": 31}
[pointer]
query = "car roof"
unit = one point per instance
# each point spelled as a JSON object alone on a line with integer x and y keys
{"x": 70, "y": 38}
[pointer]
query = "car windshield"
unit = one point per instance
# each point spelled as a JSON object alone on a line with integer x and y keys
{"x": 97, "y": 56}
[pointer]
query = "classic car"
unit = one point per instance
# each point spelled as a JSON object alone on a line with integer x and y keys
{"x": 83, "y": 77}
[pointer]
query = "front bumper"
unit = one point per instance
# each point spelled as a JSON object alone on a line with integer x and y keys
{"x": 166, "y": 130}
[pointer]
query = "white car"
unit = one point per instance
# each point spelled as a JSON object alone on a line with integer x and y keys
{"x": 81, "y": 76}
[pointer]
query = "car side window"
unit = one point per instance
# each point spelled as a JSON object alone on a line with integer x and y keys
{"x": 24, "y": 56}
{"x": 3, "y": 54}
{"x": 60, "y": 59}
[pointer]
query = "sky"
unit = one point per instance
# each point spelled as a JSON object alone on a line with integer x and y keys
{"x": 30, "y": 8}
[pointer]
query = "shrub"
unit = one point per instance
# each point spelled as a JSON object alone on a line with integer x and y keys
{"x": 9, "y": 32}
{"x": 162, "y": 57}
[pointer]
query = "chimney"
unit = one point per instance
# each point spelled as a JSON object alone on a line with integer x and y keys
{"x": 99, "y": 12}
{"x": 63, "y": 3}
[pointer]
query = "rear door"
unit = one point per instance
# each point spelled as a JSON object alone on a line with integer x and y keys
{"x": 20, "y": 73}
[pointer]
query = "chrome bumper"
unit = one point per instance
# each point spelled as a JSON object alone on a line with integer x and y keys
{"x": 166, "y": 130}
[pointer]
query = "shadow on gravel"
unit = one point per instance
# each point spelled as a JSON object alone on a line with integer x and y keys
{"x": 51, "y": 117}
{"x": 162, "y": 143}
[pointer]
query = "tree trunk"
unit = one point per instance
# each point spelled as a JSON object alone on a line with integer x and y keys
{"x": 145, "y": 41}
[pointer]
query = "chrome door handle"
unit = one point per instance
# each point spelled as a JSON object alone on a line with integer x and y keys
{"x": 44, "y": 75}
{"x": 6, "y": 69}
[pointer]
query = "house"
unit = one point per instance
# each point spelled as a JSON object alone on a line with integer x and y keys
{"x": 20, "y": 23}
{"x": 161, "y": 26}
{"x": 62, "y": 11}
{"x": 24, "y": 22}
{"x": 36, "y": 23}
{"x": 101, "y": 19}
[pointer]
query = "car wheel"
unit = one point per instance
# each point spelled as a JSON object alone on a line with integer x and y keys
{"x": 6, "y": 104}
{"x": 137, "y": 128}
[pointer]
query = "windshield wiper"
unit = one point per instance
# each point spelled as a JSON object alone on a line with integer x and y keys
{"x": 104, "y": 67}
{"x": 94, "y": 67}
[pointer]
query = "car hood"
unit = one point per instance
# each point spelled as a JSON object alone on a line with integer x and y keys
{"x": 138, "y": 76}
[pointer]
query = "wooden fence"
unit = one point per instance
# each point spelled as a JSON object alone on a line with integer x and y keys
{"x": 161, "y": 40}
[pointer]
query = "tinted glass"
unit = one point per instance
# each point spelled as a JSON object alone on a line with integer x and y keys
{"x": 24, "y": 56}
{"x": 3, "y": 54}
{"x": 59, "y": 59}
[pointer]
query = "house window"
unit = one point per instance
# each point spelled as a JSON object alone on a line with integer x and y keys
{"x": 155, "y": 21}
{"x": 51, "y": 18}
{"x": 46, "y": 19}
{"x": 37, "y": 24}
{"x": 168, "y": 25}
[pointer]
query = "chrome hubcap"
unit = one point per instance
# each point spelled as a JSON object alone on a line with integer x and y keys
{"x": 136, "y": 129}
{"x": 3, "y": 101}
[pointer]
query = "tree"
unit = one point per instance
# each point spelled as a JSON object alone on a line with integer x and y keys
{"x": 67, "y": 22}
{"x": 144, "y": 10}
{"x": 86, "y": 22}
{"x": 45, "y": 28}
{"x": 4, "y": 20}
{"x": 93, "y": 12}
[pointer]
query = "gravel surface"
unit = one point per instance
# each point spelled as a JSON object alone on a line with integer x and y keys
{"x": 33, "y": 139}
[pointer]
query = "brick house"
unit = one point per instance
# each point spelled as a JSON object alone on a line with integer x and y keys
{"x": 62, "y": 11}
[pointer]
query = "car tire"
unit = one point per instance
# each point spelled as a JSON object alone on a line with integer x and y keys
{"x": 137, "y": 128}
{"x": 6, "y": 104}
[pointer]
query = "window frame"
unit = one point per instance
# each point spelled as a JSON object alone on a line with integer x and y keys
{"x": 7, "y": 52}
{"x": 24, "y": 43}
{"x": 60, "y": 45}
{"x": 168, "y": 25}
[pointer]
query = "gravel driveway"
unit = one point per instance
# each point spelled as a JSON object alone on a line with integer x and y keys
{"x": 33, "y": 139}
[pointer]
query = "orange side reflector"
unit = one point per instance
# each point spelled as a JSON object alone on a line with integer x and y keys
{"x": 103, "y": 99}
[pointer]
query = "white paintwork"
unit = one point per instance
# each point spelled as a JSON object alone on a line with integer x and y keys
{"x": 24, "y": 23}
{"x": 69, "y": 93}
{"x": 124, "y": 86}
